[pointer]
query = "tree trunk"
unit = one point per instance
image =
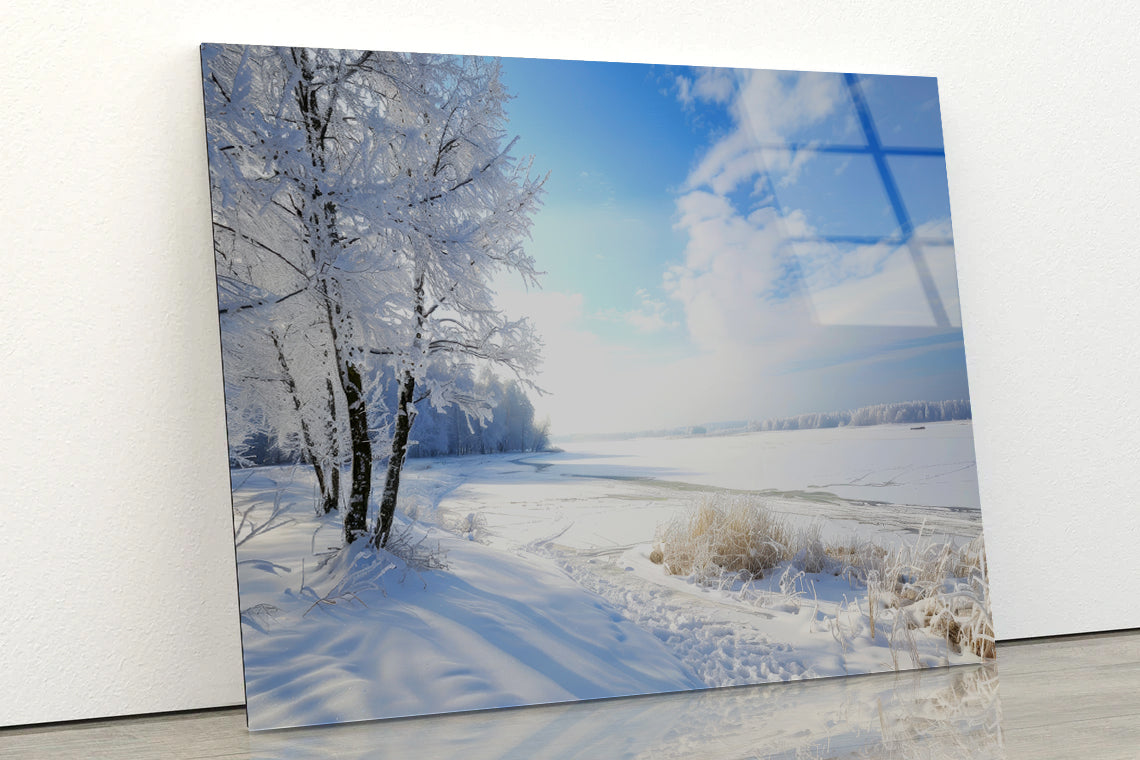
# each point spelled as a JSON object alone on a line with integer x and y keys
{"x": 333, "y": 479}
{"x": 328, "y": 497}
{"x": 322, "y": 234}
{"x": 405, "y": 414}
{"x": 333, "y": 467}
{"x": 356, "y": 519}
{"x": 328, "y": 477}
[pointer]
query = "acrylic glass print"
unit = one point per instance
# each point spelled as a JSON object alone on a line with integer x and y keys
{"x": 557, "y": 380}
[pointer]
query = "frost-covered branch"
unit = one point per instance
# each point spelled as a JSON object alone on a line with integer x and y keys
{"x": 248, "y": 528}
{"x": 262, "y": 246}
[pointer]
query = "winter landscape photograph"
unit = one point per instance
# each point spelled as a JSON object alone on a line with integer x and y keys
{"x": 558, "y": 380}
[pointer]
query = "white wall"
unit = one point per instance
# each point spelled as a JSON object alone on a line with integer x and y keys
{"x": 116, "y": 564}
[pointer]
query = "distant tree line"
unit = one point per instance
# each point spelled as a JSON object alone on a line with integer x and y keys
{"x": 508, "y": 423}
{"x": 905, "y": 412}
{"x": 502, "y": 420}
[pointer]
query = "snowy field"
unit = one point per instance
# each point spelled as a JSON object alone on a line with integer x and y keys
{"x": 527, "y": 578}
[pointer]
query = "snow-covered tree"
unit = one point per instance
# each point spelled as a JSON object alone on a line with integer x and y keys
{"x": 285, "y": 149}
{"x": 463, "y": 219}
{"x": 362, "y": 203}
{"x": 507, "y": 422}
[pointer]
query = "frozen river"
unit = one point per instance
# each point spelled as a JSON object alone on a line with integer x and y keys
{"x": 933, "y": 466}
{"x": 885, "y": 481}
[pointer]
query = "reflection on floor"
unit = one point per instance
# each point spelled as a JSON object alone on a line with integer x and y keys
{"x": 1055, "y": 698}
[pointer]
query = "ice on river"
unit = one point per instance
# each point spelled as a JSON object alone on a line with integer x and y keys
{"x": 929, "y": 465}
{"x": 872, "y": 481}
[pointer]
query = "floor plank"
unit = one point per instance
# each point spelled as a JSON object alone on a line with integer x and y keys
{"x": 1102, "y": 739}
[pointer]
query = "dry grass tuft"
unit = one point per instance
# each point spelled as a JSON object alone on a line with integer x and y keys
{"x": 935, "y": 585}
{"x": 725, "y": 535}
{"x": 941, "y": 588}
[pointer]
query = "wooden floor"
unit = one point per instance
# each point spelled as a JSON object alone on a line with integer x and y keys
{"x": 1074, "y": 697}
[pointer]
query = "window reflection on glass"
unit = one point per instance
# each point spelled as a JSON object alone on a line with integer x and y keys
{"x": 856, "y": 170}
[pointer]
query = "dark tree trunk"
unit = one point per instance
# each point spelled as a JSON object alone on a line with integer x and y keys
{"x": 333, "y": 479}
{"x": 333, "y": 476}
{"x": 360, "y": 482}
{"x": 405, "y": 414}
{"x": 321, "y": 223}
{"x": 356, "y": 519}
{"x": 328, "y": 499}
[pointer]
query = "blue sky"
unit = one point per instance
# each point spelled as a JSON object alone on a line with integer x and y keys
{"x": 617, "y": 147}
{"x": 686, "y": 278}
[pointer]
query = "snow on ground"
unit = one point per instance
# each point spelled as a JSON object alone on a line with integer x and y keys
{"x": 548, "y": 593}
{"x": 364, "y": 635}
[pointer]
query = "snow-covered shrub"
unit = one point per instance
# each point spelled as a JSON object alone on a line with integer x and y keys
{"x": 811, "y": 554}
{"x": 938, "y": 585}
{"x": 342, "y": 577}
{"x": 941, "y": 587}
{"x": 416, "y": 549}
{"x": 471, "y": 526}
{"x": 738, "y": 534}
{"x": 725, "y": 534}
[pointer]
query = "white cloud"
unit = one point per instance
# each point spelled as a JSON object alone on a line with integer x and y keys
{"x": 709, "y": 85}
{"x": 649, "y": 316}
{"x": 791, "y": 172}
{"x": 592, "y": 385}
{"x": 771, "y": 104}
{"x": 891, "y": 294}
{"x": 731, "y": 268}
{"x": 598, "y": 387}
{"x": 879, "y": 284}
{"x": 714, "y": 85}
{"x": 684, "y": 87}
{"x": 767, "y": 107}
